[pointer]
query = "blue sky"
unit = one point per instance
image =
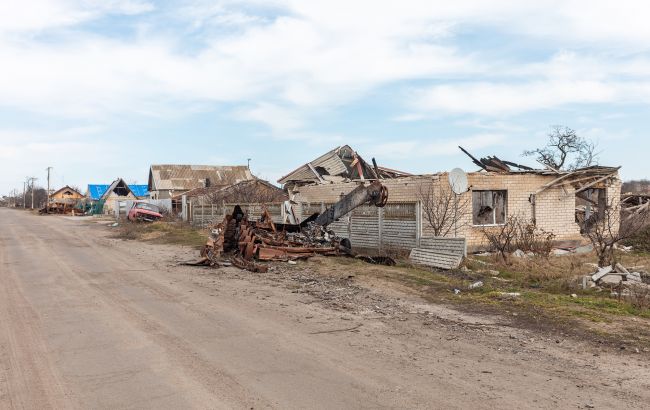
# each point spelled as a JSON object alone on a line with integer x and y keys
{"x": 101, "y": 89}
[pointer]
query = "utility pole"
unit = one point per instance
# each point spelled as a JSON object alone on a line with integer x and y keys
{"x": 47, "y": 205}
{"x": 32, "y": 179}
{"x": 24, "y": 192}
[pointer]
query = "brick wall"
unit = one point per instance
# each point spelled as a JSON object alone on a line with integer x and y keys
{"x": 555, "y": 209}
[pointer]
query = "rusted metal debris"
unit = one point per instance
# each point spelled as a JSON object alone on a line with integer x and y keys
{"x": 62, "y": 208}
{"x": 246, "y": 243}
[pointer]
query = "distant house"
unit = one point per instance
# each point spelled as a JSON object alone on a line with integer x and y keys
{"x": 168, "y": 181}
{"x": 116, "y": 192}
{"x": 63, "y": 200}
{"x": 96, "y": 191}
{"x": 111, "y": 195}
{"x": 66, "y": 195}
{"x": 245, "y": 192}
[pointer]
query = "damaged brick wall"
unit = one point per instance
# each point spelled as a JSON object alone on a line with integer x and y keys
{"x": 555, "y": 207}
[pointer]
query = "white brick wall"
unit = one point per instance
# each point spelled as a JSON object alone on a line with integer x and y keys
{"x": 555, "y": 210}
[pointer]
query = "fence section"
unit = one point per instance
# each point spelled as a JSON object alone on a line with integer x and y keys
{"x": 393, "y": 227}
{"x": 206, "y": 215}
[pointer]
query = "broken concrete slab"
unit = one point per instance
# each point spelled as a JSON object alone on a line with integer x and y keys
{"x": 519, "y": 254}
{"x": 560, "y": 252}
{"x": 584, "y": 249}
{"x": 602, "y": 272}
{"x": 612, "y": 278}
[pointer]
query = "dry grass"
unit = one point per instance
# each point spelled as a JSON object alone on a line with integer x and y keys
{"x": 545, "y": 286}
{"x": 165, "y": 232}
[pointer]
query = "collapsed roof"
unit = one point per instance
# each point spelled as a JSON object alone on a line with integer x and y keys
{"x": 255, "y": 190}
{"x": 186, "y": 177}
{"x": 120, "y": 188}
{"x": 581, "y": 179}
{"x": 67, "y": 191}
{"x": 340, "y": 164}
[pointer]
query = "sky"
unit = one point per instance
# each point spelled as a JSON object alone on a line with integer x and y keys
{"x": 101, "y": 89}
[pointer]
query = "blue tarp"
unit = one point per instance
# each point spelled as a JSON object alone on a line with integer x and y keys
{"x": 139, "y": 190}
{"x": 96, "y": 191}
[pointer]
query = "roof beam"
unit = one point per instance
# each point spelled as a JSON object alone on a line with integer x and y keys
{"x": 597, "y": 181}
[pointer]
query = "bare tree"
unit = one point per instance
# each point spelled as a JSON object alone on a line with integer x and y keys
{"x": 565, "y": 150}
{"x": 531, "y": 238}
{"x": 443, "y": 210}
{"x": 502, "y": 237}
{"x": 615, "y": 226}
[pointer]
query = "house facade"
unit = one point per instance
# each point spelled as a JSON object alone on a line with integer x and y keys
{"x": 491, "y": 198}
{"x": 549, "y": 199}
{"x": 118, "y": 191}
{"x": 66, "y": 195}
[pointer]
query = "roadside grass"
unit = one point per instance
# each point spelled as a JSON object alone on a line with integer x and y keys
{"x": 163, "y": 232}
{"x": 545, "y": 287}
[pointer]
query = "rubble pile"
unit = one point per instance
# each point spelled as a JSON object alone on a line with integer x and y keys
{"x": 247, "y": 242}
{"x": 243, "y": 242}
{"x": 617, "y": 275}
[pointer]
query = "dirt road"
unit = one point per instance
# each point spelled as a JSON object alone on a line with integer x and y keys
{"x": 87, "y": 321}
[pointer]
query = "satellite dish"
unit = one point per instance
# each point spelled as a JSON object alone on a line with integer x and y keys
{"x": 458, "y": 181}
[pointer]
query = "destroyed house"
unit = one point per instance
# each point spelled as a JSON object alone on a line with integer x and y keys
{"x": 551, "y": 199}
{"x": 205, "y": 205}
{"x": 63, "y": 200}
{"x": 116, "y": 192}
{"x": 338, "y": 165}
{"x": 66, "y": 195}
{"x": 168, "y": 181}
{"x": 250, "y": 191}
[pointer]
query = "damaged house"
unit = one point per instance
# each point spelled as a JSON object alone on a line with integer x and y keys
{"x": 205, "y": 205}
{"x": 169, "y": 181}
{"x": 106, "y": 198}
{"x": 499, "y": 189}
{"x": 339, "y": 165}
{"x": 64, "y": 200}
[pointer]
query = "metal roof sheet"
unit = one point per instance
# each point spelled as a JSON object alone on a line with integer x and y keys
{"x": 95, "y": 191}
{"x": 139, "y": 190}
{"x": 186, "y": 177}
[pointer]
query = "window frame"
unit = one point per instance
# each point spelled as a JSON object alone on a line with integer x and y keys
{"x": 494, "y": 215}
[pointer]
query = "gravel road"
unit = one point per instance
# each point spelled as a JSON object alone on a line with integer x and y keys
{"x": 87, "y": 321}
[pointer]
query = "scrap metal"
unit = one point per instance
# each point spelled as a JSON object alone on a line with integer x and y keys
{"x": 246, "y": 243}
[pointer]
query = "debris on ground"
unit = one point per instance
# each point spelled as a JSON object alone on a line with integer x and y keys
{"x": 476, "y": 285}
{"x": 377, "y": 260}
{"x": 615, "y": 275}
{"x": 246, "y": 243}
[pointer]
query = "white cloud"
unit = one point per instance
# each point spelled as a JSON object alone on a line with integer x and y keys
{"x": 279, "y": 119}
{"x": 504, "y": 98}
{"x": 28, "y": 153}
{"x": 285, "y": 63}
{"x": 38, "y": 15}
{"x": 309, "y": 55}
{"x": 437, "y": 148}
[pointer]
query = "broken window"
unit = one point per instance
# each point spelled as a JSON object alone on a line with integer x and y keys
{"x": 590, "y": 207}
{"x": 489, "y": 207}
